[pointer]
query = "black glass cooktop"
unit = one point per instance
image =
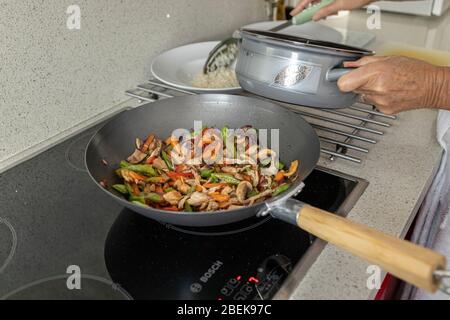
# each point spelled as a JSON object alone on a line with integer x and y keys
{"x": 54, "y": 223}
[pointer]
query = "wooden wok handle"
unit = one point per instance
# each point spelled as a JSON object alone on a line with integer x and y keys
{"x": 403, "y": 259}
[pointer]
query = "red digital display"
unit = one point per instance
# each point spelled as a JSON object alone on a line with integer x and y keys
{"x": 253, "y": 279}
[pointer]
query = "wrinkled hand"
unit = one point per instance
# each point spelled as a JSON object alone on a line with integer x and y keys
{"x": 395, "y": 84}
{"x": 331, "y": 8}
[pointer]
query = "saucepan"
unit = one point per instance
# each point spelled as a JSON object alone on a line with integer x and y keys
{"x": 297, "y": 141}
{"x": 294, "y": 69}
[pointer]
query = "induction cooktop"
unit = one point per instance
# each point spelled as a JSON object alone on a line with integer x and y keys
{"x": 54, "y": 223}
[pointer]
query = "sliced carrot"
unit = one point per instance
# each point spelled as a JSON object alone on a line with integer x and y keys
{"x": 136, "y": 176}
{"x": 158, "y": 189}
{"x": 172, "y": 208}
{"x": 176, "y": 175}
{"x": 135, "y": 188}
{"x": 198, "y": 188}
{"x": 181, "y": 168}
{"x": 279, "y": 176}
{"x": 220, "y": 197}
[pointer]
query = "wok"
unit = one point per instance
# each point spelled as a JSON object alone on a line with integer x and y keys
{"x": 298, "y": 141}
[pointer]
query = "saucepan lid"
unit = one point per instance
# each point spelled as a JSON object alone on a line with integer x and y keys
{"x": 305, "y": 42}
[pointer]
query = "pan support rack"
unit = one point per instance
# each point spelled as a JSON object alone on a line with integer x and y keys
{"x": 344, "y": 133}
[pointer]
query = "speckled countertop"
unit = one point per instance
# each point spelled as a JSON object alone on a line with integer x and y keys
{"x": 400, "y": 167}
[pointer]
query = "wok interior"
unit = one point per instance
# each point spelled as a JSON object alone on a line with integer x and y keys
{"x": 116, "y": 140}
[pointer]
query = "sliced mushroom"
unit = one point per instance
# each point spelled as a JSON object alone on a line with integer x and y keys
{"x": 159, "y": 163}
{"x": 148, "y": 143}
{"x": 182, "y": 202}
{"x": 242, "y": 189}
{"x": 263, "y": 194}
{"x": 197, "y": 199}
{"x": 157, "y": 150}
{"x": 138, "y": 143}
{"x": 172, "y": 197}
{"x": 137, "y": 156}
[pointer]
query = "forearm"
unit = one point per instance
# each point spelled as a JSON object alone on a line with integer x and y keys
{"x": 439, "y": 96}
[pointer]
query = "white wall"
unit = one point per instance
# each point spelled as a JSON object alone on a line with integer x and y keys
{"x": 53, "y": 78}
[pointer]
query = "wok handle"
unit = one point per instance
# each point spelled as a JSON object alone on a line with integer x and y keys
{"x": 403, "y": 259}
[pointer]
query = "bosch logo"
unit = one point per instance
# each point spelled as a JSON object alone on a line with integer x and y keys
{"x": 211, "y": 271}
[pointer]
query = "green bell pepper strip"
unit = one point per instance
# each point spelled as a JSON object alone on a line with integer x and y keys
{"x": 167, "y": 160}
{"x": 124, "y": 164}
{"x": 138, "y": 203}
{"x": 151, "y": 196}
{"x": 168, "y": 190}
{"x": 187, "y": 207}
{"x": 206, "y": 173}
{"x": 282, "y": 188}
{"x": 146, "y": 169}
{"x": 121, "y": 188}
{"x": 226, "y": 178}
{"x": 129, "y": 188}
{"x": 280, "y": 165}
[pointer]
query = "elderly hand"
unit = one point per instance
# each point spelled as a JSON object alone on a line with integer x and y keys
{"x": 395, "y": 84}
{"x": 331, "y": 8}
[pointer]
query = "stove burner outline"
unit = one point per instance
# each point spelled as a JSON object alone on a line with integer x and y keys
{"x": 12, "y": 251}
{"x": 223, "y": 233}
{"x": 114, "y": 286}
{"x": 69, "y": 150}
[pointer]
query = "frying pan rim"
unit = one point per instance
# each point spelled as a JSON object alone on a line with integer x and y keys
{"x": 286, "y": 194}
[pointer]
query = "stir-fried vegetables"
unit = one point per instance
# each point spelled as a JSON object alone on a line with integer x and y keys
{"x": 153, "y": 175}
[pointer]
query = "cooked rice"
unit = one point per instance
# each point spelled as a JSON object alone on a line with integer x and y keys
{"x": 222, "y": 78}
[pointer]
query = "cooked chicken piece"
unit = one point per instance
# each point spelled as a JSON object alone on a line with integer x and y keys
{"x": 253, "y": 173}
{"x": 149, "y": 188}
{"x": 159, "y": 163}
{"x": 181, "y": 186}
{"x": 231, "y": 170}
{"x": 198, "y": 198}
{"x": 172, "y": 197}
{"x": 212, "y": 206}
{"x": 182, "y": 202}
{"x": 227, "y": 190}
